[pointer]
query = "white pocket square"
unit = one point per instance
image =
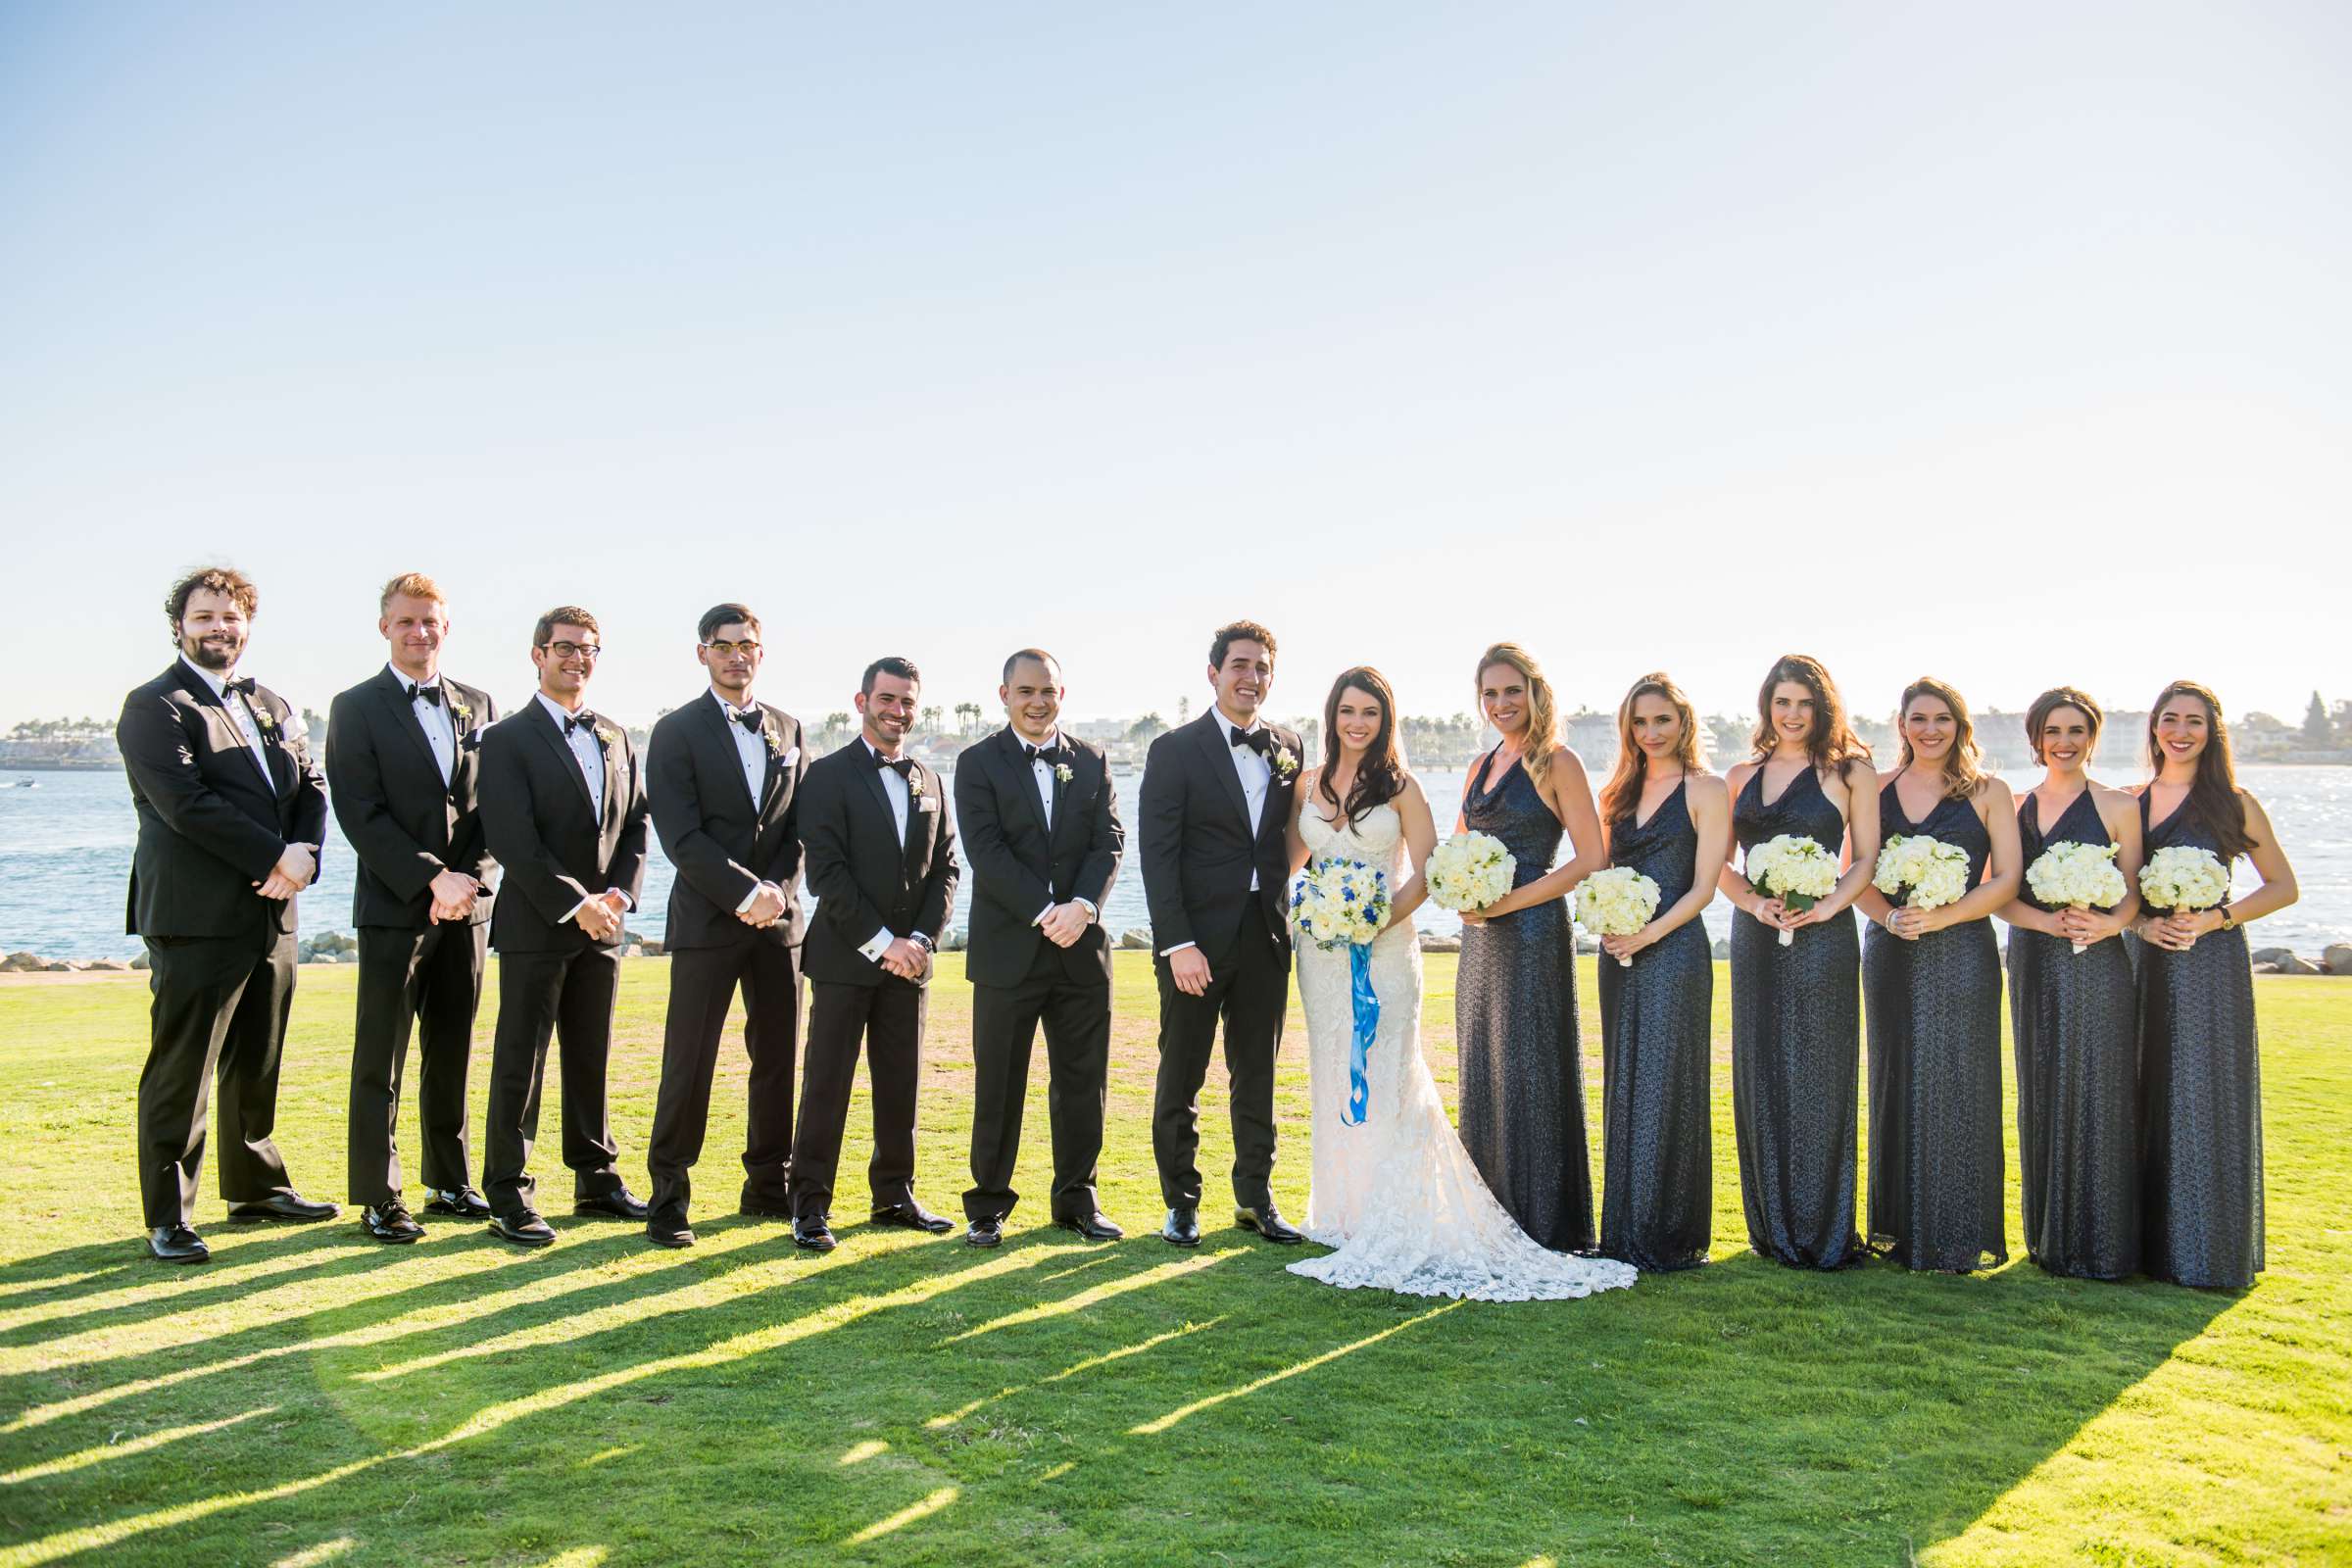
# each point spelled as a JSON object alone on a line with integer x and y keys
{"x": 789, "y": 757}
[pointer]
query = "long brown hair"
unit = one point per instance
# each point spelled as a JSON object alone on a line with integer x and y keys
{"x": 1833, "y": 742}
{"x": 2213, "y": 793}
{"x": 1964, "y": 763}
{"x": 1623, "y": 793}
{"x": 1380, "y": 778}
{"x": 1543, "y": 711}
{"x": 2049, "y": 703}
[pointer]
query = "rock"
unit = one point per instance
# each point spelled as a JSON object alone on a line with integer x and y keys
{"x": 139, "y": 961}
{"x": 2337, "y": 959}
{"x": 632, "y": 951}
{"x": 1586, "y": 945}
{"x": 59, "y": 967}
{"x": 23, "y": 964}
{"x": 1134, "y": 940}
{"x": 1723, "y": 949}
{"x": 2290, "y": 965}
{"x": 2271, "y": 954}
{"x": 2265, "y": 969}
{"x": 954, "y": 942}
{"x": 326, "y": 957}
{"x": 648, "y": 947}
{"x": 1437, "y": 944}
{"x": 112, "y": 966}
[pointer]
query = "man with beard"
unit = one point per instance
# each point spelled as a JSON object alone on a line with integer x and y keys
{"x": 232, "y": 812}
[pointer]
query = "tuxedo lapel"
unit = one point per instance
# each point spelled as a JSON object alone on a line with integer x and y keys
{"x": 771, "y": 779}
{"x": 1015, "y": 764}
{"x": 610, "y": 824}
{"x": 546, "y": 724}
{"x": 402, "y": 714}
{"x": 918, "y": 832}
{"x": 219, "y": 713}
{"x": 1219, "y": 747}
{"x": 874, "y": 787}
{"x": 718, "y": 723}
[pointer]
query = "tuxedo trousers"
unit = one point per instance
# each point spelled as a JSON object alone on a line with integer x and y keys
{"x": 701, "y": 990}
{"x": 1249, "y": 993}
{"x": 569, "y": 996}
{"x": 1071, "y": 997}
{"x": 429, "y": 981}
{"x": 888, "y": 1019}
{"x": 218, "y": 1013}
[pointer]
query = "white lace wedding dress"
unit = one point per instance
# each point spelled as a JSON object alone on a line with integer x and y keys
{"x": 1397, "y": 1195}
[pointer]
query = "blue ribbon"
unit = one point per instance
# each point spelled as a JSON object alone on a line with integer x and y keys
{"x": 1367, "y": 1024}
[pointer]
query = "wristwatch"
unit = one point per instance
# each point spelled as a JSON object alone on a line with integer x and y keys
{"x": 2228, "y": 921}
{"x": 927, "y": 944}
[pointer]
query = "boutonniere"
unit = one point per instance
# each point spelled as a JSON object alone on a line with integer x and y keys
{"x": 775, "y": 742}
{"x": 915, "y": 784}
{"x": 459, "y": 710}
{"x": 263, "y": 717}
{"x": 1061, "y": 772}
{"x": 608, "y": 734}
{"x": 1283, "y": 762}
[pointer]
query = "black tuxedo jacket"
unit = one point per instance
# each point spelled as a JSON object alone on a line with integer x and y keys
{"x": 405, "y": 825}
{"x": 210, "y": 824}
{"x": 1197, "y": 848}
{"x": 863, "y": 880}
{"x": 1018, "y": 867}
{"x": 722, "y": 842}
{"x": 541, "y": 825}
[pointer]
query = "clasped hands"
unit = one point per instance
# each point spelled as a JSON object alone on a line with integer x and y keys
{"x": 2179, "y": 931}
{"x": 452, "y": 894}
{"x": 767, "y": 908}
{"x": 1776, "y": 913}
{"x": 907, "y": 958}
{"x": 292, "y": 874}
{"x": 599, "y": 916}
{"x": 1064, "y": 923}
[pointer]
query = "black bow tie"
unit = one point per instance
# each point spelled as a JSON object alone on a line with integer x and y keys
{"x": 751, "y": 720}
{"x": 574, "y": 723}
{"x": 428, "y": 694}
{"x": 1257, "y": 740}
{"x": 900, "y": 765}
{"x": 240, "y": 684}
{"x": 1050, "y": 755}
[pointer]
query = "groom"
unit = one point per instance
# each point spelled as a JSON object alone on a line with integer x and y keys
{"x": 1216, "y": 806}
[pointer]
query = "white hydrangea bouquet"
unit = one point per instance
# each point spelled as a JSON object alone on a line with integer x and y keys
{"x": 1339, "y": 904}
{"x": 2076, "y": 876}
{"x": 1795, "y": 870}
{"x": 2181, "y": 876}
{"x": 1469, "y": 871}
{"x": 1921, "y": 872}
{"x": 1616, "y": 903}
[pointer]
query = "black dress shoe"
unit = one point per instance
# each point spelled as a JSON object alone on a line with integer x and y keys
{"x": 670, "y": 1229}
{"x": 986, "y": 1231}
{"x": 459, "y": 1203}
{"x": 1183, "y": 1228}
{"x": 1267, "y": 1222}
{"x": 176, "y": 1243}
{"x": 283, "y": 1206}
{"x": 812, "y": 1232}
{"x": 1094, "y": 1227}
{"x": 914, "y": 1216}
{"x": 524, "y": 1229}
{"x": 389, "y": 1222}
{"x": 618, "y": 1204}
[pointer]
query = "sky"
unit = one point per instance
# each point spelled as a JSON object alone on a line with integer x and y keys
{"x": 2007, "y": 342}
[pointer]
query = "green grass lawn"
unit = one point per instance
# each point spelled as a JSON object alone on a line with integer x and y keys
{"x": 310, "y": 1397}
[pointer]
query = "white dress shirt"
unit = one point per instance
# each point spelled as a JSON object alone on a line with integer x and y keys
{"x": 439, "y": 724}
{"x": 751, "y": 750}
{"x": 240, "y": 714}
{"x": 1255, "y": 773}
{"x": 901, "y": 801}
{"x": 589, "y": 752}
{"x": 1043, "y": 776}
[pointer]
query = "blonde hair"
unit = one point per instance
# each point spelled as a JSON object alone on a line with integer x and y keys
{"x": 410, "y": 585}
{"x": 1964, "y": 765}
{"x": 1620, "y": 795}
{"x": 1543, "y": 711}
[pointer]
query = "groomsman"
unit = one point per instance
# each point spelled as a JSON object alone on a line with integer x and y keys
{"x": 232, "y": 812}
{"x": 564, "y": 812}
{"x": 724, "y": 773}
{"x": 1216, "y": 810}
{"x": 882, "y": 866}
{"x": 1040, "y": 824}
{"x": 403, "y": 755}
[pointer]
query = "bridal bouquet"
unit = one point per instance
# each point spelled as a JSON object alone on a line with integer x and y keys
{"x": 1338, "y": 903}
{"x": 1344, "y": 904}
{"x": 1616, "y": 903}
{"x": 1469, "y": 871}
{"x": 2181, "y": 877}
{"x": 1795, "y": 870}
{"x": 1921, "y": 871}
{"x": 2076, "y": 876}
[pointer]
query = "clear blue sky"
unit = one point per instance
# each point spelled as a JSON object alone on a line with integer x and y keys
{"x": 2007, "y": 342}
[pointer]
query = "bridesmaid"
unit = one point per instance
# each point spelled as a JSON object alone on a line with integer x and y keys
{"x": 1514, "y": 1007}
{"x": 2073, "y": 1016}
{"x": 1796, "y": 1017}
{"x": 1931, "y": 987}
{"x": 2200, "y": 1080}
{"x": 1669, "y": 819}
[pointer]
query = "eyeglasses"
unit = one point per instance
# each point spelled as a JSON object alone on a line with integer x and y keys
{"x": 726, "y": 650}
{"x": 564, "y": 649}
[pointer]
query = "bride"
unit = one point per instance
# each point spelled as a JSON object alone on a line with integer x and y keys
{"x": 1395, "y": 1192}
